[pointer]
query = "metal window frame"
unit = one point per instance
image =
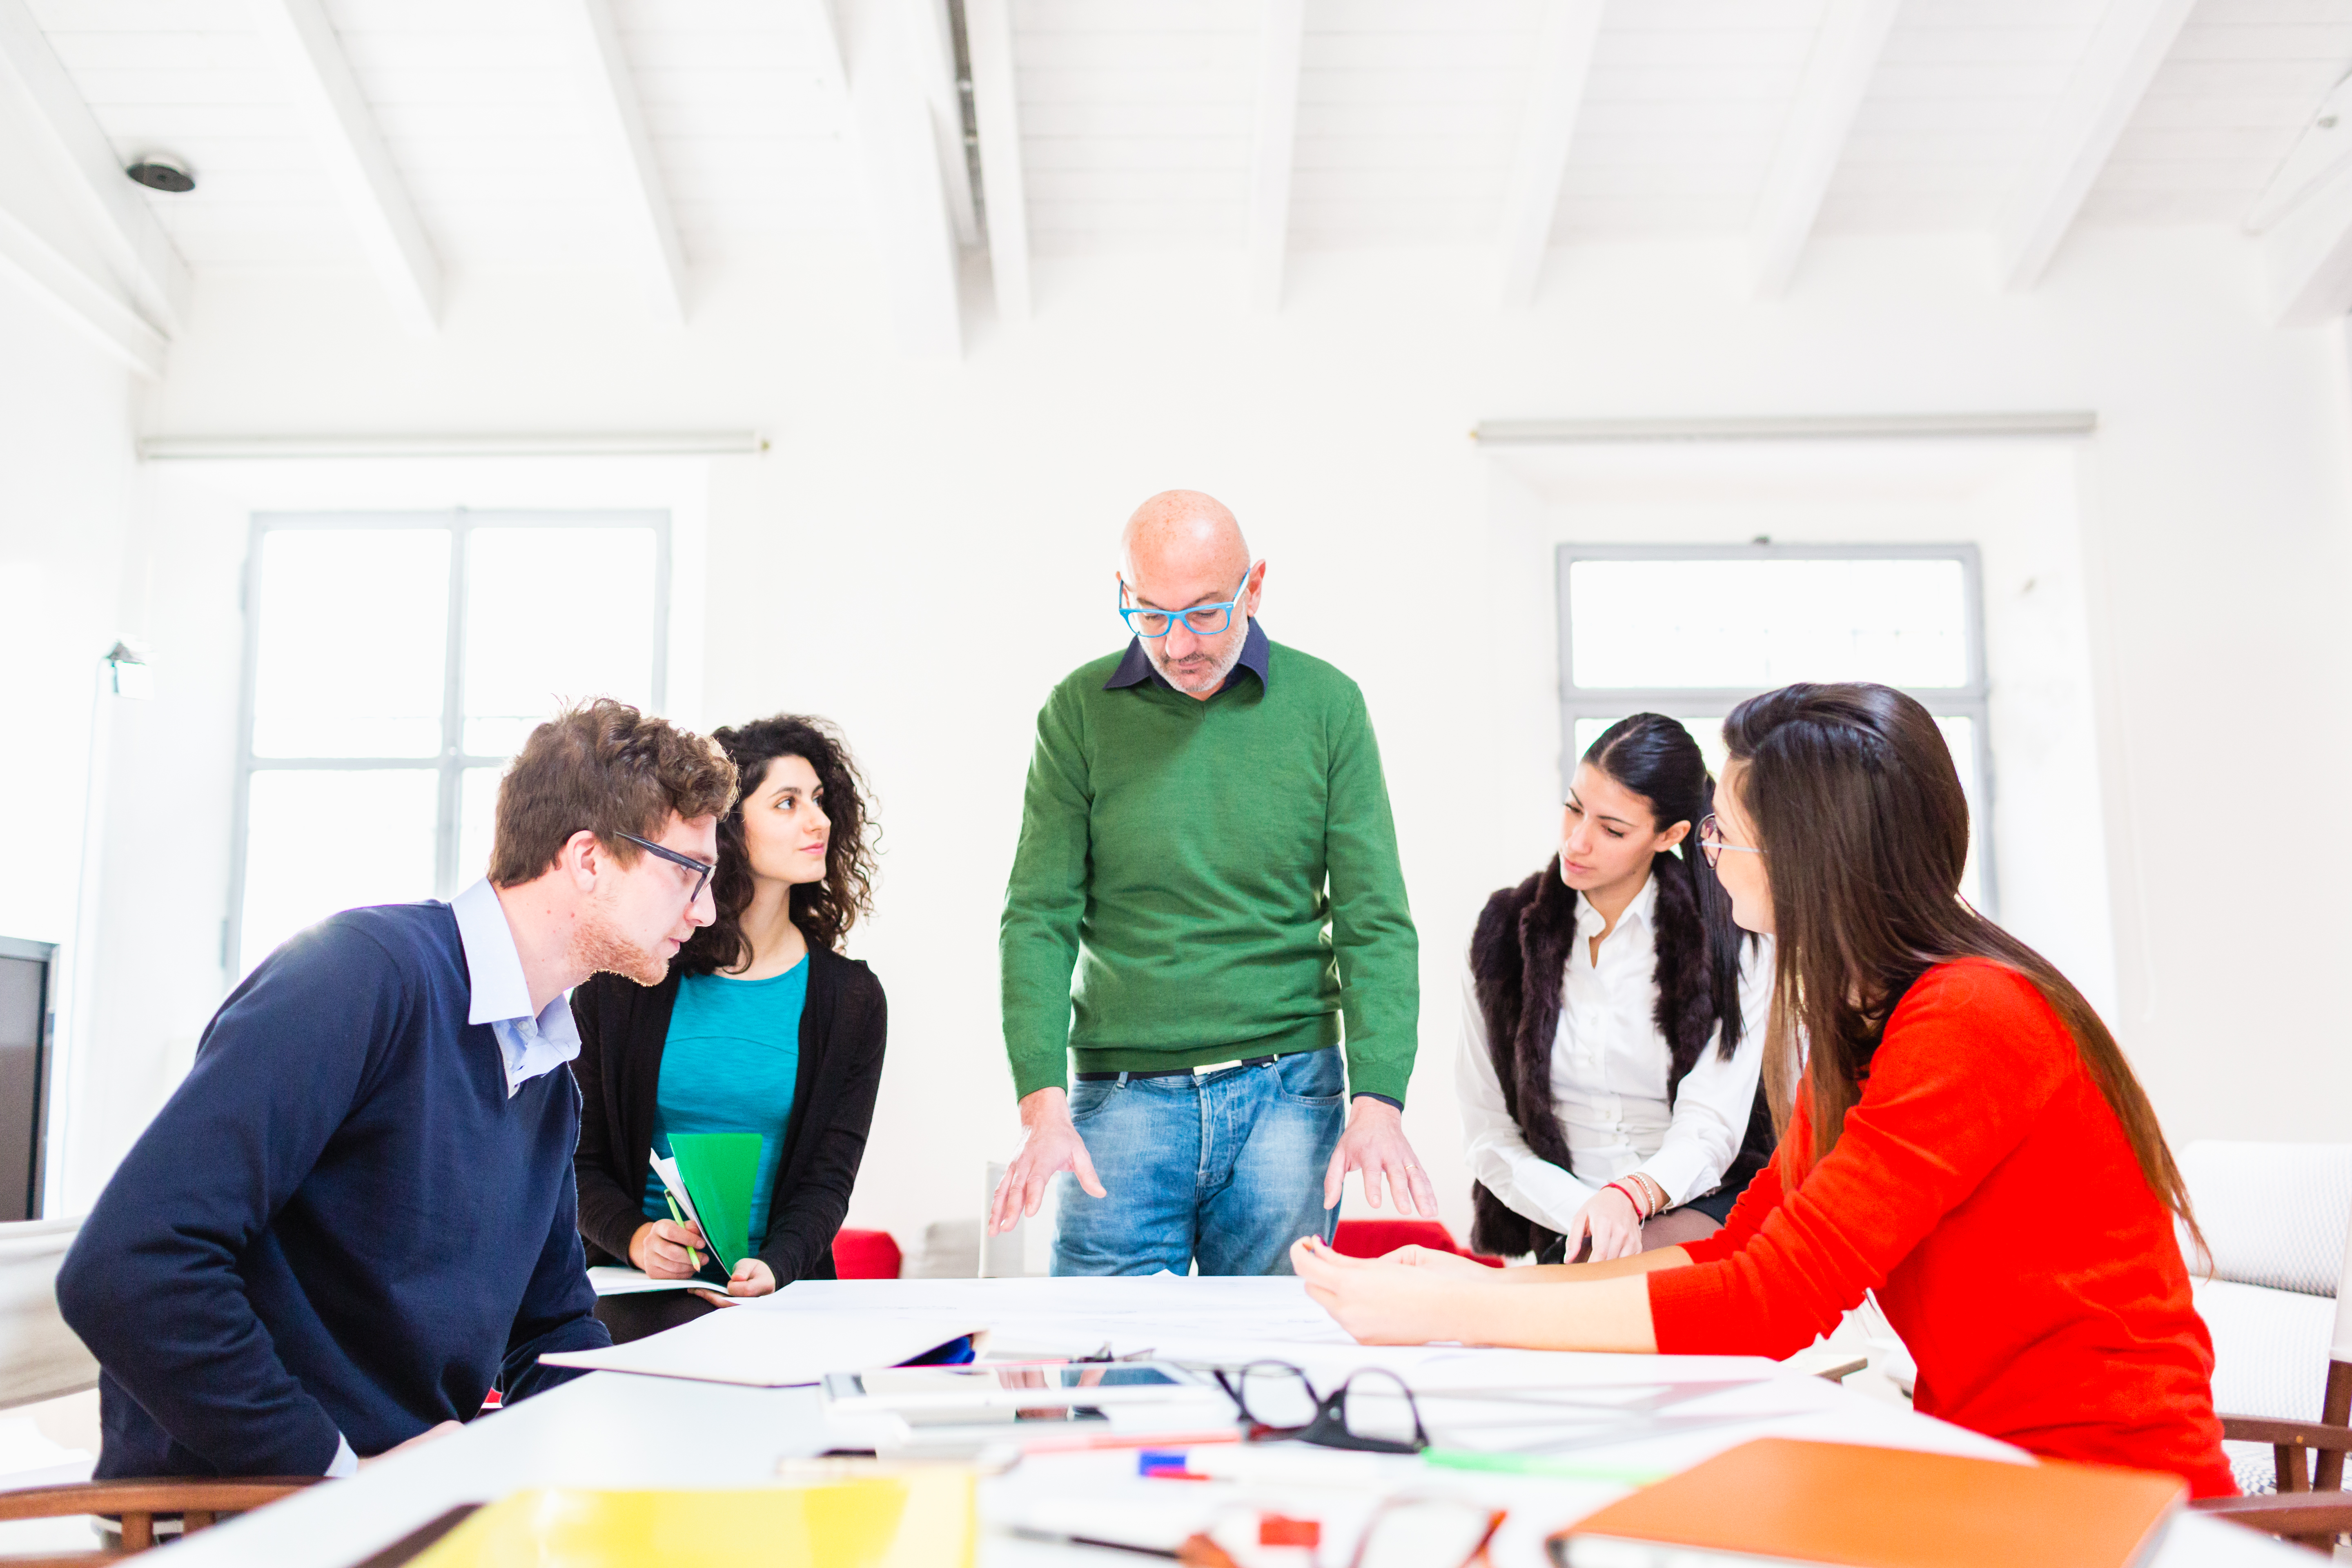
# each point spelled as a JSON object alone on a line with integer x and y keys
{"x": 1971, "y": 702}
{"x": 44, "y": 1067}
{"x": 452, "y": 761}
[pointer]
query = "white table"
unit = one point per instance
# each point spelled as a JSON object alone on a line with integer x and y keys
{"x": 613, "y": 1430}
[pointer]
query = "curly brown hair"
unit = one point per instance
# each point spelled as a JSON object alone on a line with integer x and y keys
{"x": 823, "y": 910}
{"x": 606, "y": 767}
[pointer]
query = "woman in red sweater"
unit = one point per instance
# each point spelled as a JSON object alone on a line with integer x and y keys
{"x": 1964, "y": 1136}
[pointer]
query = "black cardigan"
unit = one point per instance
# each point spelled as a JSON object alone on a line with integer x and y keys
{"x": 622, "y": 1029}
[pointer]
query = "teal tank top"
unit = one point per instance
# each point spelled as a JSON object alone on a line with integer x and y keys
{"x": 730, "y": 1066}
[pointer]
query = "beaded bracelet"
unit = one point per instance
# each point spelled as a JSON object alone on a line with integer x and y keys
{"x": 1648, "y": 1183}
{"x": 1631, "y": 1196}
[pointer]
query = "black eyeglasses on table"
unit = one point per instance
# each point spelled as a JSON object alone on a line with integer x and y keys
{"x": 702, "y": 869}
{"x": 1277, "y": 1401}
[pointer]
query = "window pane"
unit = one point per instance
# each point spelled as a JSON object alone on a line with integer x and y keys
{"x": 353, "y": 626}
{"x": 1960, "y": 737}
{"x": 553, "y": 616}
{"x": 1756, "y": 624}
{"x": 321, "y": 841}
{"x": 478, "y": 807}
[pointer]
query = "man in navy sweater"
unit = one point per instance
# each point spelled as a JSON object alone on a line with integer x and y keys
{"x": 356, "y": 1214}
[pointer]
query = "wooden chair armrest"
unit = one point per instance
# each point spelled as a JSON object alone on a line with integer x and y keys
{"x": 2285, "y": 1513}
{"x": 158, "y": 1495}
{"x": 2291, "y": 1434}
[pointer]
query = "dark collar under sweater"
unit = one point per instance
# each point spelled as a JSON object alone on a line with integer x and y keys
{"x": 1518, "y": 962}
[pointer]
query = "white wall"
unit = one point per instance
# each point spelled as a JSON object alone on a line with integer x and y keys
{"x": 67, "y": 481}
{"x": 928, "y": 548}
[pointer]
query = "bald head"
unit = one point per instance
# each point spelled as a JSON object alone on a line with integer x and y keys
{"x": 1180, "y": 550}
{"x": 1183, "y": 533}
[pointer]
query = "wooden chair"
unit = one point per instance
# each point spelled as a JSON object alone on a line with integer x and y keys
{"x": 2279, "y": 1219}
{"x": 199, "y": 1503}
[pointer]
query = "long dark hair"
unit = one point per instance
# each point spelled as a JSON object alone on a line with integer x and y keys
{"x": 1655, "y": 758}
{"x": 823, "y": 910}
{"x": 1860, "y": 814}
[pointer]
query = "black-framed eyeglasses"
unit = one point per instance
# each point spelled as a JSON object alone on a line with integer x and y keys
{"x": 1712, "y": 843}
{"x": 1278, "y": 1402}
{"x": 702, "y": 869}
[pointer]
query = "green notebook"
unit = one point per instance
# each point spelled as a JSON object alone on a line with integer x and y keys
{"x": 719, "y": 1169}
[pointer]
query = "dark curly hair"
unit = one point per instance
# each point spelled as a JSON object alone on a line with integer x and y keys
{"x": 823, "y": 910}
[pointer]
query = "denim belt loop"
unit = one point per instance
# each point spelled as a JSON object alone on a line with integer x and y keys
{"x": 1122, "y": 1080}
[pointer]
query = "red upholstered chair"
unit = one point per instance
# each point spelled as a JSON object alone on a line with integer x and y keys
{"x": 866, "y": 1255}
{"x": 1378, "y": 1238}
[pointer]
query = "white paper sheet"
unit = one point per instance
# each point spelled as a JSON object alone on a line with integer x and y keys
{"x": 766, "y": 1350}
{"x": 1227, "y": 1321}
{"x": 667, "y": 1171}
{"x": 614, "y": 1279}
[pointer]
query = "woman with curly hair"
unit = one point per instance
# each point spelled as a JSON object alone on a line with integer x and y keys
{"x": 762, "y": 1026}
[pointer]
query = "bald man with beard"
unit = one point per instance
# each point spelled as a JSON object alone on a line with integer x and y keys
{"x": 1206, "y": 844}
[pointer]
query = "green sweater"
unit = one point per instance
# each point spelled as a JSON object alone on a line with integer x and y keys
{"x": 1222, "y": 876}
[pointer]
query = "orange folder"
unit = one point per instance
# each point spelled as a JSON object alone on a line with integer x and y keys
{"x": 1779, "y": 1501}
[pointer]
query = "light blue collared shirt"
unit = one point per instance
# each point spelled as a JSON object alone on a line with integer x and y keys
{"x": 501, "y": 997}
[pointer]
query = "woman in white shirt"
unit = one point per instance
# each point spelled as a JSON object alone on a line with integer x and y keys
{"x": 1612, "y": 1023}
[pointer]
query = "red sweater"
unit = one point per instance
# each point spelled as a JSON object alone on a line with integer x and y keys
{"x": 1985, "y": 1190}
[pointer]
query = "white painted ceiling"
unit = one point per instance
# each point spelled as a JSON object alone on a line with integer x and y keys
{"x": 1138, "y": 117}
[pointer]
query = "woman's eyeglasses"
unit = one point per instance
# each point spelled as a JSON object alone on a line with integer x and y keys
{"x": 1712, "y": 843}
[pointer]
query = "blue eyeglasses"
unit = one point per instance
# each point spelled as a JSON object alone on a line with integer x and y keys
{"x": 1201, "y": 620}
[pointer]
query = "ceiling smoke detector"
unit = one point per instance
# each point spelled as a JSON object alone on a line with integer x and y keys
{"x": 161, "y": 172}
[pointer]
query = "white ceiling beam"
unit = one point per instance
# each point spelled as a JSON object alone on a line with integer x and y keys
{"x": 898, "y": 154}
{"x": 616, "y": 122}
{"x": 931, "y": 45}
{"x": 1003, "y": 193}
{"x": 2308, "y": 256}
{"x": 80, "y": 301}
{"x": 111, "y": 210}
{"x": 1562, "y": 64}
{"x": 2113, "y": 76}
{"x": 1837, "y": 78}
{"x": 318, "y": 81}
{"x": 1271, "y": 153}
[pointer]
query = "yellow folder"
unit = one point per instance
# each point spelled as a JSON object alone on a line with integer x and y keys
{"x": 914, "y": 1518}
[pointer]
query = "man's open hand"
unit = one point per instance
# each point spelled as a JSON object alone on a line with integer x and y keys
{"x": 1049, "y": 1144}
{"x": 1375, "y": 1145}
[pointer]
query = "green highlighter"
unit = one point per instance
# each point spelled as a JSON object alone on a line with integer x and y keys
{"x": 719, "y": 1169}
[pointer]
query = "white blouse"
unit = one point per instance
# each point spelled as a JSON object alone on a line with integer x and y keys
{"x": 1608, "y": 1068}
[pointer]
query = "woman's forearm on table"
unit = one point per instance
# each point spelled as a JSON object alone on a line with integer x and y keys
{"x": 1586, "y": 1273}
{"x": 1587, "y": 1314}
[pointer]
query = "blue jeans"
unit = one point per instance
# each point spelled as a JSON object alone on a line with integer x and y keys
{"x": 1226, "y": 1169}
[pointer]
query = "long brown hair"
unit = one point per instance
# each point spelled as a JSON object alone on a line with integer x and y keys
{"x": 1860, "y": 814}
{"x": 824, "y": 911}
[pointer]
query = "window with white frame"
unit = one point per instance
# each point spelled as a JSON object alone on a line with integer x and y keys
{"x": 393, "y": 663}
{"x": 1691, "y": 630}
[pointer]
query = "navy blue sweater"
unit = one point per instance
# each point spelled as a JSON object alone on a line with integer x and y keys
{"x": 339, "y": 1223}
